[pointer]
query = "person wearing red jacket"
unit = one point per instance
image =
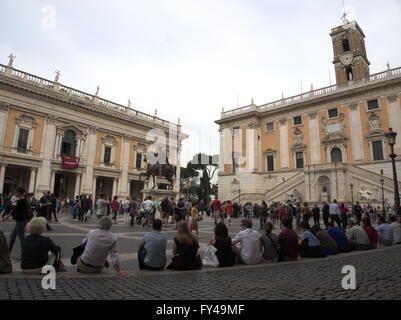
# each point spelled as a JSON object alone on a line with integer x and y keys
{"x": 372, "y": 233}
{"x": 115, "y": 207}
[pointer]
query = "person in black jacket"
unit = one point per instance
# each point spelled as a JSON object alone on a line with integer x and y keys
{"x": 35, "y": 249}
{"x": 326, "y": 214}
{"x": 222, "y": 242}
{"x": 21, "y": 215}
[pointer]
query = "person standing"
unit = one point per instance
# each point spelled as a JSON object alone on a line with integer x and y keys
{"x": 334, "y": 211}
{"x": 228, "y": 211}
{"x": 149, "y": 209}
{"x": 45, "y": 204}
{"x": 344, "y": 215}
{"x": 316, "y": 215}
{"x": 326, "y": 214}
{"x": 127, "y": 209}
{"x": 165, "y": 210}
{"x": 21, "y": 215}
{"x": 306, "y": 213}
{"x": 101, "y": 207}
{"x": 115, "y": 207}
{"x": 84, "y": 208}
{"x": 357, "y": 210}
{"x": 290, "y": 211}
{"x": 195, "y": 216}
{"x": 263, "y": 214}
{"x": 216, "y": 209}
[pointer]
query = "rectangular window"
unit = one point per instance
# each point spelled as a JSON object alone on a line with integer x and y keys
{"x": 300, "y": 159}
{"x": 23, "y": 139}
{"x": 373, "y": 104}
{"x": 297, "y": 121}
{"x": 270, "y": 163}
{"x": 333, "y": 113}
{"x": 107, "y": 155}
{"x": 139, "y": 160}
{"x": 236, "y": 131}
{"x": 377, "y": 150}
{"x": 270, "y": 126}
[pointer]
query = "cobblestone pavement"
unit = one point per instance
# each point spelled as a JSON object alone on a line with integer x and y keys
{"x": 377, "y": 276}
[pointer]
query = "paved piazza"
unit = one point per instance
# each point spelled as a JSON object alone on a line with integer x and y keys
{"x": 377, "y": 273}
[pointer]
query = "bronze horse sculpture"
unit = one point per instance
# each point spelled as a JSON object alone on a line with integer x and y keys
{"x": 167, "y": 171}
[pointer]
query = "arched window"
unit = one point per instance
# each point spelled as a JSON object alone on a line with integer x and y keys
{"x": 346, "y": 45}
{"x": 69, "y": 143}
{"x": 336, "y": 156}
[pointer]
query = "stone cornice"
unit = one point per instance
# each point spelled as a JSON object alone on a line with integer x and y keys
{"x": 347, "y": 93}
{"x": 88, "y": 105}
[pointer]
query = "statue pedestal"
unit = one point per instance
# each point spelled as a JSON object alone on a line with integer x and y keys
{"x": 157, "y": 194}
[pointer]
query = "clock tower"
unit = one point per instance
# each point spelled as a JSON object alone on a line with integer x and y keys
{"x": 350, "y": 59}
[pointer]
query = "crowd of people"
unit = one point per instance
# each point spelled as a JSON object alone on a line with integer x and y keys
{"x": 343, "y": 230}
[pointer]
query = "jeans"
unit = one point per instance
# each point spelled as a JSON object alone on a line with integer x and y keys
{"x": 336, "y": 218}
{"x": 19, "y": 230}
{"x": 263, "y": 220}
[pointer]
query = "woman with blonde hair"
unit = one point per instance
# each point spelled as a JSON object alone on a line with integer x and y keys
{"x": 185, "y": 249}
{"x": 36, "y": 250}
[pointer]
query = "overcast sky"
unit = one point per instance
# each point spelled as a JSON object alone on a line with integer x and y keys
{"x": 190, "y": 58}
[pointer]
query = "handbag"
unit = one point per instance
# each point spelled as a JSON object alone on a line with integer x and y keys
{"x": 209, "y": 257}
{"x": 58, "y": 263}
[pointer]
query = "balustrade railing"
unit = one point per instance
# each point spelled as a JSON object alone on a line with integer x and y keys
{"x": 79, "y": 95}
{"x": 377, "y": 77}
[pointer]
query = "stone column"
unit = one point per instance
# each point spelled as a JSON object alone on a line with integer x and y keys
{"x": 114, "y": 187}
{"x": 253, "y": 147}
{"x": 178, "y": 171}
{"x": 77, "y": 185}
{"x": 32, "y": 180}
{"x": 284, "y": 155}
{"x": 2, "y": 174}
{"x": 52, "y": 180}
{"x": 48, "y": 141}
{"x": 57, "y": 145}
{"x": 94, "y": 188}
{"x": 356, "y": 133}
{"x": 314, "y": 138}
{"x": 3, "y": 122}
{"x": 88, "y": 180}
{"x": 123, "y": 181}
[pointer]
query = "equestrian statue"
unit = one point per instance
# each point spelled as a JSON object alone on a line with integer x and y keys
{"x": 166, "y": 170}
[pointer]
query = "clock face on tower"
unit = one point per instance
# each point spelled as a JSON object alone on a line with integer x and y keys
{"x": 347, "y": 58}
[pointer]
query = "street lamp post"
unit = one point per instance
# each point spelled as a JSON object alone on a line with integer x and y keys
{"x": 391, "y": 140}
{"x": 383, "y": 204}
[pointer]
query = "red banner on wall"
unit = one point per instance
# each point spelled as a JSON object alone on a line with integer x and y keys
{"x": 70, "y": 162}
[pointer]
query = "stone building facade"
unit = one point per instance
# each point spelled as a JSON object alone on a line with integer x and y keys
{"x": 320, "y": 145}
{"x": 58, "y": 139}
